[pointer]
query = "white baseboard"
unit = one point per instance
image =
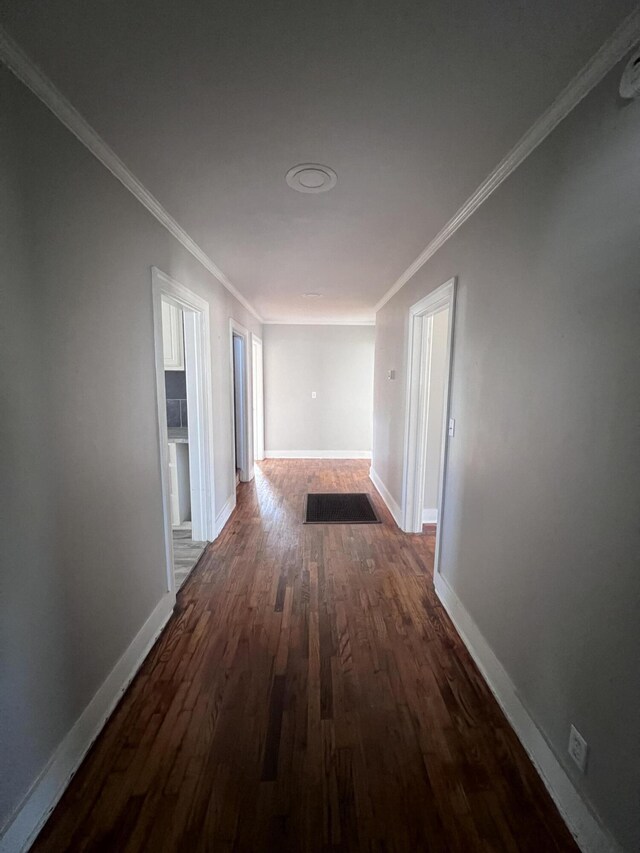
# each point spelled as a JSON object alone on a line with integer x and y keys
{"x": 47, "y": 789}
{"x": 317, "y": 454}
{"x": 386, "y": 496}
{"x": 588, "y": 832}
{"x": 430, "y": 516}
{"x": 225, "y": 513}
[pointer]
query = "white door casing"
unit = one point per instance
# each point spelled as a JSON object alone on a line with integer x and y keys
{"x": 417, "y": 402}
{"x": 258, "y": 397}
{"x": 240, "y": 412}
{"x": 244, "y": 390}
{"x": 197, "y": 353}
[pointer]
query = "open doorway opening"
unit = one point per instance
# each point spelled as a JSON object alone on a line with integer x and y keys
{"x": 258, "y": 398}
{"x": 181, "y": 321}
{"x": 240, "y": 403}
{"x": 428, "y": 425}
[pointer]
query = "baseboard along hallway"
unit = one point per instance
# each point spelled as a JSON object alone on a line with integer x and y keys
{"x": 310, "y": 693}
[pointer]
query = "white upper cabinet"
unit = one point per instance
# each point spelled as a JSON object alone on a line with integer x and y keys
{"x": 172, "y": 338}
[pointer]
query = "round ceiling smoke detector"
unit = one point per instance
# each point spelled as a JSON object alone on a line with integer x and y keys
{"x": 312, "y": 295}
{"x": 311, "y": 178}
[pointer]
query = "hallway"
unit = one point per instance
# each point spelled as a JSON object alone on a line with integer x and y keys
{"x": 309, "y": 694}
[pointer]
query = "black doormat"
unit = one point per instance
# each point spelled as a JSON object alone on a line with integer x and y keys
{"x": 340, "y": 508}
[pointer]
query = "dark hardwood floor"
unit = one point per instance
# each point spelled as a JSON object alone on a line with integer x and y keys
{"x": 310, "y": 694}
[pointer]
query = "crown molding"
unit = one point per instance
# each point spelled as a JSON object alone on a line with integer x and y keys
{"x": 610, "y": 53}
{"x": 322, "y": 322}
{"x": 21, "y": 65}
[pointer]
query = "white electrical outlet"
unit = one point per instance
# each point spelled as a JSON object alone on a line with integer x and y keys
{"x": 578, "y": 749}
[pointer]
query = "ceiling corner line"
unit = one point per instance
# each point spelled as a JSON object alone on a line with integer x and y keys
{"x": 619, "y": 43}
{"x": 26, "y": 70}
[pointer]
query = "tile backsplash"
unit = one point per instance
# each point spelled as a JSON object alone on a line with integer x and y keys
{"x": 175, "y": 384}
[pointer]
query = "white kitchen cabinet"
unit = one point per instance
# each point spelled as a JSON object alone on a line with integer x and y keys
{"x": 179, "y": 487}
{"x": 172, "y": 337}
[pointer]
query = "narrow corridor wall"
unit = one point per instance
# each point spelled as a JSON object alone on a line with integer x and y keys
{"x": 540, "y": 529}
{"x": 83, "y": 564}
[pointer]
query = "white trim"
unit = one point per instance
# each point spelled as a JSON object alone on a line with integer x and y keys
{"x": 238, "y": 330}
{"x": 197, "y": 339}
{"x": 200, "y": 405}
{"x": 610, "y": 53}
{"x": 417, "y": 405}
{"x": 12, "y": 55}
{"x": 225, "y": 513}
{"x": 323, "y": 322}
{"x": 430, "y": 516}
{"x": 317, "y": 454}
{"x": 583, "y": 824}
{"x": 386, "y": 496}
{"x": 45, "y": 792}
{"x": 257, "y": 396}
{"x": 163, "y": 437}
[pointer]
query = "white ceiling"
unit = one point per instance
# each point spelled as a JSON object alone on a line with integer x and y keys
{"x": 411, "y": 103}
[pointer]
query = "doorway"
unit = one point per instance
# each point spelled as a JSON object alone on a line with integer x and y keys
{"x": 258, "y": 398}
{"x": 428, "y": 423}
{"x": 183, "y": 383}
{"x": 241, "y": 398}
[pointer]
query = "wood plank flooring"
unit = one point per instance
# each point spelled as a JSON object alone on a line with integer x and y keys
{"x": 309, "y": 694}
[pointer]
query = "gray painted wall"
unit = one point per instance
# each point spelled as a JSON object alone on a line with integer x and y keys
{"x": 540, "y": 535}
{"x": 82, "y": 530}
{"x": 334, "y": 361}
{"x": 436, "y": 407}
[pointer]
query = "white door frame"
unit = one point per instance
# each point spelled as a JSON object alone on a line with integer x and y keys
{"x": 246, "y": 427}
{"x": 197, "y": 340}
{"x": 417, "y": 403}
{"x": 258, "y": 397}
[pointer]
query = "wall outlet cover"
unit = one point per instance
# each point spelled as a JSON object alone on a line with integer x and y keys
{"x": 578, "y": 749}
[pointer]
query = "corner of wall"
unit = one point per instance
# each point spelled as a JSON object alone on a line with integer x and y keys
{"x": 387, "y": 497}
{"x": 225, "y": 513}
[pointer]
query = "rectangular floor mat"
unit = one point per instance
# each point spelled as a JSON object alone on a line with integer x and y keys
{"x": 340, "y": 508}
